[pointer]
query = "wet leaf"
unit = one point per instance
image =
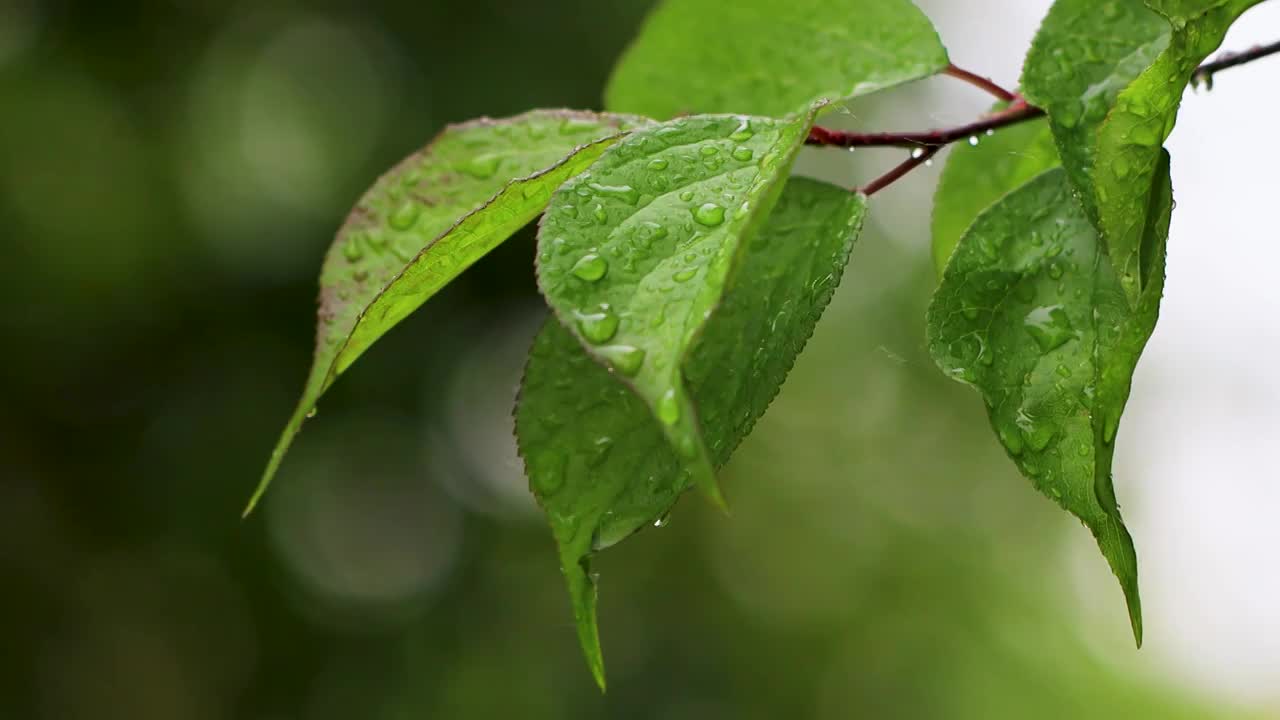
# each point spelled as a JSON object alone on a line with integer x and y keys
{"x": 634, "y": 254}
{"x": 597, "y": 457}
{"x": 430, "y": 218}
{"x": 976, "y": 176}
{"x": 1031, "y": 313}
{"x": 770, "y": 58}
{"x": 1111, "y": 76}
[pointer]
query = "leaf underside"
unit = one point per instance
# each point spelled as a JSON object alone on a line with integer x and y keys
{"x": 1031, "y": 313}
{"x": 597, "y": 457}
{"x": 430, "y": 218}
{"x": 769, "y": 58}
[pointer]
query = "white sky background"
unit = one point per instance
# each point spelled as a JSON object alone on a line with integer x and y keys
{"x": 1197, "y": 465}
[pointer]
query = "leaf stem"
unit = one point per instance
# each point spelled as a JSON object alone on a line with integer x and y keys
{"x": 980, "y": 82}
{"x": 926, "y": 144}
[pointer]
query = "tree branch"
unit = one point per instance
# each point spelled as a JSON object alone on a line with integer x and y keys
{"x": 1204, "y": 74}
{"x": 926, "y": 144}
{"x": 979, "y": 82}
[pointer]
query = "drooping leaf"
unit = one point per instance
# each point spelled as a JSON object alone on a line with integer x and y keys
{"x": 597, "y": 459}
{"x": 1031, "y": 313}
{"x": 976, "y": 176}
{"x": 1111, "y": 76}
{"x": 635, "y": 253}
{"x": 430, "y": 218}
{"x": 771, "y": 58}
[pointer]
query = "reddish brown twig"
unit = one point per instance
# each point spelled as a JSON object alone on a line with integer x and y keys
{"x": 926, "y": 144}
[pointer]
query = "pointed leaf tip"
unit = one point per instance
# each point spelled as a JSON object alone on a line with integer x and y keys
{"x": 430, "y": 218}
{"x": 610, "y": 470}
{"x": 1032, "y": 313}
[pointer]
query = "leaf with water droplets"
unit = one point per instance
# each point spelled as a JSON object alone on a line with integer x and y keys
{"x": 978, "y": 175}
{"x": 1032, "y": 314}
{"x": 659, "y": 246}
{"x": 1111, "y": 77}
{"x": 430, "y": 218}
{"x": 596, "y": 454}
{"x": 770, "y": 58}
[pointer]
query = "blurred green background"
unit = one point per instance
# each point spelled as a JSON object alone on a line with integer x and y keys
{"x": 170, "y": 175}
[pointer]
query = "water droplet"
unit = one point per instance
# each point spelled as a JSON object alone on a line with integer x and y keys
{"x": 625, "y": 193}
{"x": 709, "y": 150}
{"x": 685, "y": 275}
{"x": 669, "y": 407}
{"x": 483, "y": 166}
{"x": 1011, "y": 439}
{"x": 1146, "y": 135}
{"x": 404, "y": 216}
{"x": 576, "y": 126}
{"x": 625, "y": 358}
{"x": 662, "y": 520}
{"x": 973, "y": 140}
{"x": 743, "y": 131}
{"x": 1068, "y": 115}
{"x": 686, "y": 196}
{"x": 1050, "y": 327}
{"x": 548, "y": 468}
{"x": 1120, "y": 165}
{"x": 351, "y": 250}
{"x": 599, "y": 214}
{"x": 742, "y": 154}
{"x": 709, "y": 214}
{"x": 312, "y": 413}
{"x": 917, "y": 153}
{"x": 598, "y": 326}
{"x": 658, "y": 164}
{"x": 1055, "y": 270}
{"x": 590, "y": 267}
{"x": 1063, "y": 371}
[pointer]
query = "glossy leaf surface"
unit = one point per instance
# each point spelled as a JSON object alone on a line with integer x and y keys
{"x": 634, "y": 254}
{"x": 1111, "y": 76}
{"x": 430, "y": 218}
{"x": 1031, "y": 313}
{"x": 770, "y": 58}
{"x": 596, "y": 456}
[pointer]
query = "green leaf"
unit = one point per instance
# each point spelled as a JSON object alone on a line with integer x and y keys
{"x": 430, "y": 218}
{"x": 1032, "y": 314}
{"x": 977, "y": 176}
{"x": 596, "y": 458}
{"x": 635, "y": 253}
{"x": 1111, "y": 78}
{"x": 770, "y": 58}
